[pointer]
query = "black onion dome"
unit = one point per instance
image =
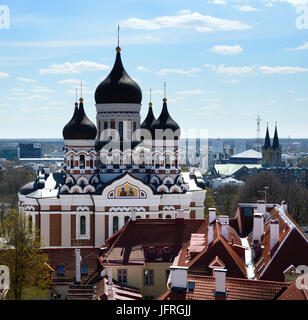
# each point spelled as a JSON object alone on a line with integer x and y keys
{"x": 164, "y": 121}
{"x": 70, "y": 126}
{"x": 146, "y": 124}
{"x": 118, "y": 87}
{"x": 80, "y": 126}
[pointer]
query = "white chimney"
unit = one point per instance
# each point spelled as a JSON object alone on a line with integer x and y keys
{"x": 261, "y": 206}
{"x": 284, "y": 206}
{"x": 212, "y": 215}
{"x": 110, "y": 289}
{"x": 220, "y": 280}
{"x": 223, "y": 219}
{"x": 258, "y": 226}
{"x": 133, "y": 215}
{"x": 225, "y": 230}
{"x": 210, "y": 234}
{"x": 179, "y": 278}
{"x": 274, "y": 233}
{"x": 78, "y": 260}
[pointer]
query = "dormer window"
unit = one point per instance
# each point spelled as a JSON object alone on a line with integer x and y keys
{"x": 151, "y": 253}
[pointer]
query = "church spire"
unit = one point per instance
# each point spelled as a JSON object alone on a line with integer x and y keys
{"x": 267, "y": 142}
{"x": 276, "y": 139}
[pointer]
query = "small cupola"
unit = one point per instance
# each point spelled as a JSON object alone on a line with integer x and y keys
{"x": 164, "y": 121}
{"x": 80, "y": 127}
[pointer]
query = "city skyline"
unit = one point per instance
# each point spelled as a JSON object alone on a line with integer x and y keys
{"x": 224, "y": 63}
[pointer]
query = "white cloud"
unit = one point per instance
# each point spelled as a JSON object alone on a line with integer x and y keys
{"x": 84, "y": 91}
{"x": 222, "y": 69}
{"x": 33, "y": 97}
{"x": 185, "y": 20}
{"x": 73, "y": 82}
{"x": 178, "y": 71}
{"x": 25, "y": 79}
{"x": 17, "y": 90}
{"x": 281, "y": 70}
{"x": 218, "y": 2}
{"x": 74, "y": 67}
{"x": 301, "y": 47}
{"x": 210, "y": 107}
{"x": 173, "y": 100}
{"x": 155, "y": 92}
{"x": 224, "y": 49}
{"x": 247, "y": 8}
{"x": 41, "y": 89}
{"x": 196, "y": 91}
{"x": 141, "y": 68}
{"x": 4, "y": 75}
{"x": 294, "y": 3}
{"x": 232, "y": 81}
{"x": 212, "y": 99}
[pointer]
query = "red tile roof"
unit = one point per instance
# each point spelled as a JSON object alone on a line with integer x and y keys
{"x": 199, "y": 263}
{"x": 132, "y": 243}
{"x": 292, "y": 248}
{"x": 237, "y": 289}
{"x": 293, "y": 293}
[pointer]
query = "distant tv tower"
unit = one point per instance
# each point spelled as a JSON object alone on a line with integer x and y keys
{"x": 258, "y": 132}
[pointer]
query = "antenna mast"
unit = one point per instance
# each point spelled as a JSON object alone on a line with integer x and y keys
{"x": 258, "y": 132}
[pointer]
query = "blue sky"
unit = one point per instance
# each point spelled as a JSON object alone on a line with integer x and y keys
{"x": 224, "y": 62}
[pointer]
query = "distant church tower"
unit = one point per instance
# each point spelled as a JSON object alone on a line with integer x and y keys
{"x": 271, "y": 154}
{"x": 276, "y": 151}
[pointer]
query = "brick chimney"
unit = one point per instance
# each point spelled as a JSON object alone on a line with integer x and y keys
{"x": 210, "y": 234}
{"x": 212, "y": 215}
{"x": 274, "y": 233}
{"x": 220, "y": 283}
{"x": 179, "y": 279}
{"x": 258, "y": 227}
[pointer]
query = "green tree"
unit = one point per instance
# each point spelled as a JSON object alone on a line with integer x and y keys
{"x": 209, "y": 201}
{"x": 21, "y": 253}
{"x": 11, "y": 180}
{"x": 226, "y": 200}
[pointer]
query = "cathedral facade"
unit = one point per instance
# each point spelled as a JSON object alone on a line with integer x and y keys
{"x": 118, "y": 170}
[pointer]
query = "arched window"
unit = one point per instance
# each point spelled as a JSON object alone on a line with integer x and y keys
{"x": 82, "y": 162}
{"x": 72, "y": 162}
{"x": 82, "y": 225}
{"x": 121, "y": 130}
{"x": 30, "y": 223}
{"x": 167, "y": 161}
{"x": 126, "y": 219}
{"x": 105, "y": 125}
{"x": 115, "y": 221}
{"x": 138, "y": 217}
{"x": 168, "y": 216}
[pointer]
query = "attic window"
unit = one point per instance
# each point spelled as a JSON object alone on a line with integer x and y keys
{"x": 167, "y": 253}
{"x": 151, "y": 253}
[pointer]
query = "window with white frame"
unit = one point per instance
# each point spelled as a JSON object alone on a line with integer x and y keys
{"x": 122, "y": 276}
{"x": 148, "y": 277}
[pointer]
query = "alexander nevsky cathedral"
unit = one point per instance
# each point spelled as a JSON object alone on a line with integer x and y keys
{"x": 118, "y": 170}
